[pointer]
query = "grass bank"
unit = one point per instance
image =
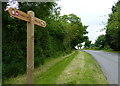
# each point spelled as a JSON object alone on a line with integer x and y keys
{"x": 82, "y": 70}
{"x": 51, "y": 75}
{"x": 49, "y": 62}
{"x": 76, "y": 68}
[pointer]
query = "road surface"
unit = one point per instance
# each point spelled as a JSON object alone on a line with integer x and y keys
{"x": 108, "y": 63}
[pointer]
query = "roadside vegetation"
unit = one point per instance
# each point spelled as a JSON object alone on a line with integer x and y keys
{"x": 110, "y": 41}
{"x": 76, "y": 68}
{"x": 59, "y": 37}
{"x": 112, "y": 51}
{"x": 82, "y": 70}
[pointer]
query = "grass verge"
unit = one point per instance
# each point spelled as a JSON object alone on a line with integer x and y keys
{"x": 21, "y": 79}
{"x": 51, "y": 75}
{"x": 111, "y": 51}
{"x": 82, "y": 70}
{"x": 77, "y": 68}
{"x": 92, "y": 71}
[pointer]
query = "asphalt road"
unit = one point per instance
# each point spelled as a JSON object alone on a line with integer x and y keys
{"x": 108, "y": 63}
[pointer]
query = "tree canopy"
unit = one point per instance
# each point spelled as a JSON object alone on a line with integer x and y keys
{"x": 111, "y": 39}
{"x": 113, "y": 28}
{"x": 60, "y": 36}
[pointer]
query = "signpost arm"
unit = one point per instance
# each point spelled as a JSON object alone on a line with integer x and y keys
{"x": 30, "y": 49}
{"x": 31, "y": 20}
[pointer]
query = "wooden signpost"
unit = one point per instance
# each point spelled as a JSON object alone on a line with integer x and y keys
{"x": 31, "y": 20}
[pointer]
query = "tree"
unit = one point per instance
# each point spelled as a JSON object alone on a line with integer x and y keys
{"x": 101, "y": 42}
{"x": 60, "y": 36}
{"x": 14, "y": 38}
{"x": 113, "y": 28}
{"x": 87, "y": 44}
{"x": 74, "y": 29}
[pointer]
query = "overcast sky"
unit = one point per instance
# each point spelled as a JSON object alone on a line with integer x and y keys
{"x": 93, "y": 13}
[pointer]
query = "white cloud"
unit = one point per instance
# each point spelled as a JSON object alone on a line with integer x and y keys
{"x": 91, "y": 12}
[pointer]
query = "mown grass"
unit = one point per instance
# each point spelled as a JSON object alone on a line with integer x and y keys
{"x": 81, "y": 66}
{"x": 51, "y": 75}
{"x": 21, "y": 79}
{"x": 83, "y": 70}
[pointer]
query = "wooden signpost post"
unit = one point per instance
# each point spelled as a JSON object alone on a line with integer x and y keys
{"x": 31, "y": 20}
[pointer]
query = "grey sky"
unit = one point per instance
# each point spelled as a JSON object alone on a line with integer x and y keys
{"x": 93, "y": 13}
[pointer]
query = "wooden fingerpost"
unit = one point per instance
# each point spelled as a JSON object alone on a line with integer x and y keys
{"x": 31, "y": 20}
{"x": 30, "y": 48}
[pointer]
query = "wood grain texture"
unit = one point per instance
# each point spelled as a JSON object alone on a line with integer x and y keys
{"x": 30, "y": 49}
